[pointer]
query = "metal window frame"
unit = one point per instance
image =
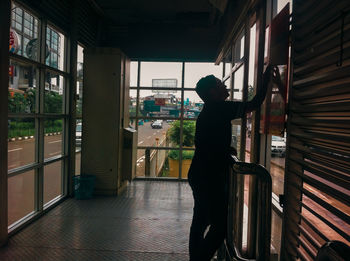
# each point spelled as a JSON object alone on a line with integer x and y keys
{"x": 40, "y": 116}
{"x": 182, "y": 89}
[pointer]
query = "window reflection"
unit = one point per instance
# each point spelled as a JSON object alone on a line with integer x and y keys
{"x": 23, "y": 82}
{"x": 54, "y": 90}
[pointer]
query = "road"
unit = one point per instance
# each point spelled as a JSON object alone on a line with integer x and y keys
{"x": 21, "y": 187}
{"x": 147, "y": 137}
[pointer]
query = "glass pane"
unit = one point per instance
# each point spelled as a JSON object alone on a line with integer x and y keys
{"x": 228, "y": 67}
{"x": 187, "y": 156}
{"x": 238, "y": 84}
{"x": 248, "y": 137}
{"x": 78, "y": 134}
{"x": 239, "y": 49}
{"x": 54, "y": 91}
{"x": 133, "y": 74}
{"x": 80, "y": 78}
{"x": 23, "y": 82}
{"x": 30, "y": 47}
{"x": 21, "y": 147}
{"x": 157, "y": 163}
{"x": 195, "y": 71}
{"x": 20, "y": 196}
{"x": 153, "y": 133}
{"x": 132, "y": 103}
{"x": 152, "y": 72}
{"x": 251, "y": 74}
{"x": 52, "y": 181}
{"x": 53, "y": 137}
{"x": 162, "y": 104}
{"x": 278, "y": 154}
{"x": 77, "y": 163}
{"x": 188, "y": 133}
{"x": 236, "y": 136}
{"x": 55, "y": 53}
{"x": 193, "y": 104}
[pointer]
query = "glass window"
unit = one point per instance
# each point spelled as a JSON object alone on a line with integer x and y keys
{"x": 133, "y": 74}
{"x": 54, "y": 91}
{"x": 188, "y": 132}
{"x": 52, "y": 181}
{"x": 21, "y": 147}
{"x": 80, "y": 81}
{"x": 77, "y": 163}
{"x": 238, "y": 84}
{"x": 53, "y": 137}
{"x": 30, "y": 45}
{"x": 23, "y": 81}
{"x": 157, "y": 163}
{"x": 252, "y": 69}
{"x": 153, "y": 133}
{"x": 193, "y": 104}
{"x": 239, "y": 49}
{"x": 132, "y": 103}
{"x": 195, "y": 71}
{"x": 248, "y": 137}
{"x": 56, "y": 48}
{"x": 20, "y": 196}
{"x": 160, "y": 103}
{"x": 152, "y": 74}
{"x": 236, "y": 136}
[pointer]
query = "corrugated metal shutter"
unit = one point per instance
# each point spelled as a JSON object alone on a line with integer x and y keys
{"x": 87, "y": 24}
{"x": 60, "y": 13}
{"x": 317, "y": 188}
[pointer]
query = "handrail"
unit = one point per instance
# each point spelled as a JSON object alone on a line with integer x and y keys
{"x": 263, "y": 226}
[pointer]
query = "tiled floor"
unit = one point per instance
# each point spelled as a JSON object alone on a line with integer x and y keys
{"x": 150, "y": 221}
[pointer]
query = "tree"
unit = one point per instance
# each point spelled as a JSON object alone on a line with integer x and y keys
{"x": 188, "y": 132}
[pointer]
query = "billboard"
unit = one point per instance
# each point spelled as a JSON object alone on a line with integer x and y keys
{"x": 164, "y": 83}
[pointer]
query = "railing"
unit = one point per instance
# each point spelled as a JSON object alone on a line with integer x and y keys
{"x": 263, "y": 194}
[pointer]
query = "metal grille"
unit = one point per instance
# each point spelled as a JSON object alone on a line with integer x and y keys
{"x": 317, "y": 207}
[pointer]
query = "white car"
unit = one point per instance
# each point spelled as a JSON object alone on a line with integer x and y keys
{"x": 158, "y": 124}
{"x": 278, "y": 146}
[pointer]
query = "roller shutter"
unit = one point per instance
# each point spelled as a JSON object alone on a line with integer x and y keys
{"x": 317, "y": 185}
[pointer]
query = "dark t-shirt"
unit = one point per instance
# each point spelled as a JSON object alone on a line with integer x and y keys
{"x": 213, "y": 140}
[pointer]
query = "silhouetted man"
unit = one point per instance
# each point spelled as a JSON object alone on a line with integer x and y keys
{"x": 209, "y": 170}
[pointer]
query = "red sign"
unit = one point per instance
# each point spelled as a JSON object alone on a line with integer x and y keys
{"x": 11, "y": 70}
{"x": 13, "y": 47}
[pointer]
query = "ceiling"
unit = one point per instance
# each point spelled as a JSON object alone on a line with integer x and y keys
{"x": 189, "y": 30}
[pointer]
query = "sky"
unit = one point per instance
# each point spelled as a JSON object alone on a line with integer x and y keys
{"x": 172, "y": 70}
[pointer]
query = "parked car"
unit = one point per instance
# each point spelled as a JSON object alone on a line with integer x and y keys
{"x": 78, "y": 131}
{"x": 158, "y": 124}
{"x": 278, "y": 146}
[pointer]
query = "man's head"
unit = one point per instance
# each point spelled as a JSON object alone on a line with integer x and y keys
{"x": 210, "y": 88}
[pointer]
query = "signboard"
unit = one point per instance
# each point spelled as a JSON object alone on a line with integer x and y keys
{"x": 164, "y": 83}
{"x": 32, "y": 49}
{"x": 14, "y": 44}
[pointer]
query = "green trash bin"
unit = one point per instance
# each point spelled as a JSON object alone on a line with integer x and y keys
{"x": 84, "y": 186}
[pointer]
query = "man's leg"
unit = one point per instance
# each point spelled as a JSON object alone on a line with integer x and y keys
{"x": 199, "y": 224}
{"x": 217, "y": 231}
